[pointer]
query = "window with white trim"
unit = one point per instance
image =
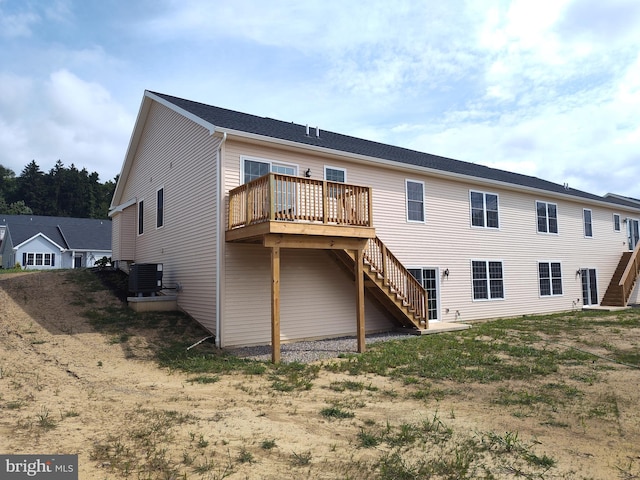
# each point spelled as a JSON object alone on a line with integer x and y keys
{"x": 484, "y": 209}
{"x": 284, "y": 190}
{"x": 616, "y": 222}
{"x": 255, "y": 168}
{"x": 488, "y": 281}
{"x": 588, "y": 225}
{"x": 334, "y": 174}
{"x": 160, "y": 207}
{"x": 338, "y": 175}
{"x": 550, "y": 278}
{"x": 38, "y": 259}
{"x": 415, "y": 201}
{"x": 547, "y": 215}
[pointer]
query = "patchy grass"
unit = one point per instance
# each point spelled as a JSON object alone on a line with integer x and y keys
{"x": 532, "y": 366}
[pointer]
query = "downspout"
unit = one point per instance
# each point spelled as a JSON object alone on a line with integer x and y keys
{"x": 219, "y": 260}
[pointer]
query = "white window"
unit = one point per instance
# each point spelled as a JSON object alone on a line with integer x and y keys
{"x": 547, "y": 215}
{"x": 488, "y": 282}
{"x": 616, "y": 222}
{"x": 253, "y": 168}
{"x": 39, "y": 259}
{"x": 588, "y": 226}
{"x": 338, "y": 175}
{"x": 415, "y": 201}
{"x": 484, "y": 209}
{"x": 335, "y": 174}
{"x": 428, "y": 278}
{"x": 550, "y": 278}
{"x": 284, "y": 190}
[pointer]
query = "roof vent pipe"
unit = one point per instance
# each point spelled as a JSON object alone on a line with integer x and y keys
{"x": 317, "y": 132}
{"x": 307, "y": 130}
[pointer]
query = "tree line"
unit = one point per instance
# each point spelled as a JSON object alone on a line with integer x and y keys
{"x": 62, "y": 192}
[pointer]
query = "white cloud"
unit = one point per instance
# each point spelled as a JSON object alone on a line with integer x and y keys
{"x": 62, "y": 118}
{"x": 17, "y": 24}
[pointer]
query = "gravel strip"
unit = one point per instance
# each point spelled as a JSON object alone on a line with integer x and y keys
{"x": 312, "y": 351}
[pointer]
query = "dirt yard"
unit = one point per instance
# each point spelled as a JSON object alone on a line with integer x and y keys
{"x": 65, "y": 388}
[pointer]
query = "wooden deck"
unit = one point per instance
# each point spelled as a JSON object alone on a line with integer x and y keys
{"x": 283, "y": 211}
{"x": 287, "y": 205}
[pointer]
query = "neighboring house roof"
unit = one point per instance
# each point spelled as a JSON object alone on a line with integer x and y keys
{"x": 70, "y": 233}
{"x": 232, "y": 122}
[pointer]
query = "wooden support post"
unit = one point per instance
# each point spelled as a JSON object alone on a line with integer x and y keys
{"x": 359, "y": 273}
{"x": 275, "y": 304}
{"x": 325, "y": 203}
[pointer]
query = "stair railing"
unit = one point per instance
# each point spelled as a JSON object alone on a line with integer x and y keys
{"x": 397, "y": 278}
{"x": 628, "y": 279}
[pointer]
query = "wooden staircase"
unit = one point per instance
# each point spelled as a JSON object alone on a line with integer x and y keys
{"x": 390, "y": 283}
{"x": 623, "y": 280}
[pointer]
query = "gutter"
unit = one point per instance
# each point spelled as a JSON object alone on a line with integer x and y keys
{"x": 220, "y": 237}
{"x": 394, "y": 165}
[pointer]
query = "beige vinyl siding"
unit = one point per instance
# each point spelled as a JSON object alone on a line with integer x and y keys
{"x": 448, "y": 241}
{"x": 180, "y": 156}
{"x": 318, "y": 299}
{"x": 116, "y": 241}
{"x": 127, "y": 233}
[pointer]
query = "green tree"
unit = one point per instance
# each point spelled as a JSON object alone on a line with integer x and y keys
{"x": 31, "y": 188}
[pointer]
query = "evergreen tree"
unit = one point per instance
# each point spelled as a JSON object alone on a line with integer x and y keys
{"x": 62, "y": 192}
{"x": 31, "y": 188}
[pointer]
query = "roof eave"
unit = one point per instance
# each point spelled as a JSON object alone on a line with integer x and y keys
{"x": 416, "y": 168}
{"x": 136, "y": 135}
{"x": 62, "y": 249}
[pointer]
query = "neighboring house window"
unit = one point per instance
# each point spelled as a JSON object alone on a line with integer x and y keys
{"x": 484, "y": 209}
{"x": 547, "y": 214}
{"x": 48, "y": 259}
{"x": 333, "y": 174}
{"x": 488, "y": 283}
{"x": 550, "y": 277}
{"x": 588, "y": 227}
{"x": 140, "y": 217}
{"x": 616, "y": 222}
{"x": 160, "y": 208}
{"x": 415, "y": 201}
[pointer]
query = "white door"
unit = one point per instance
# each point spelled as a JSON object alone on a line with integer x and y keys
{"x": 428, "y": 277}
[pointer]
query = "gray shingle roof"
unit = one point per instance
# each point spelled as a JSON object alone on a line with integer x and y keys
{"x": 268, "y": 127}
{"x": 70, "y": 233}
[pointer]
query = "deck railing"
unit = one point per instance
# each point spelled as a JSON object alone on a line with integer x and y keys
{"x": 630, "y": 275}
{"x": 397, "y": 278}
{"x": 279, "y": 197}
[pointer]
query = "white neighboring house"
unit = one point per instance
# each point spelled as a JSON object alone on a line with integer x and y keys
{"x": 43, "y": 243}
{"x": 258, "y": 223}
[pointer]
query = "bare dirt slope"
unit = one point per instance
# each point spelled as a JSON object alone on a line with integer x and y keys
{"x": 64, "y": 388}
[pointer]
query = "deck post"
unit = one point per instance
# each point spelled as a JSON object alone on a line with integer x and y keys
{"x": 359, "y": 274}
{"x": 275, "y": 304}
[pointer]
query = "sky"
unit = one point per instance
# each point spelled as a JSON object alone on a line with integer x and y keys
{"x": 549, "y": 88}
